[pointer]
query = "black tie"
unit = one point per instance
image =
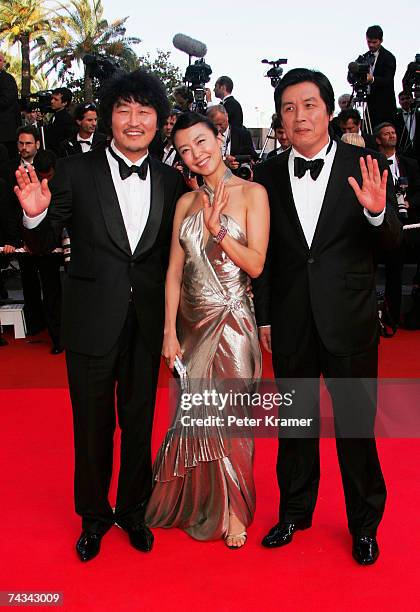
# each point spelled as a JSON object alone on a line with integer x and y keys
{"x": 314, "y": 167}
{"x": 126, "y": 171}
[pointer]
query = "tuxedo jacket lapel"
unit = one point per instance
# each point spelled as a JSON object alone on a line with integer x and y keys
{"x": 285, "y": 195}
{"x": 109, "y": 201}
{"x": 336, "y": 183}
{"x": 156, "y": 209}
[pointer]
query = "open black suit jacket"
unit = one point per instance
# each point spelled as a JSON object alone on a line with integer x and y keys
{"x": 234, "y": 111}
{"x": 381, "y": 99}
{"x": 333, "y": 280}
{"x": 103, "y": 270}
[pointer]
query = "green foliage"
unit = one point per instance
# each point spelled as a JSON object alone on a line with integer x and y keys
{"x": 169, "y": 74}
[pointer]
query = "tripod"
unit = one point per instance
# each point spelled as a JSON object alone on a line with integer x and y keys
{"x": 358, "y": 101}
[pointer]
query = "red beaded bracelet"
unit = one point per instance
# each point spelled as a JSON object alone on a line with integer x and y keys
{"x": 222, "y": 233}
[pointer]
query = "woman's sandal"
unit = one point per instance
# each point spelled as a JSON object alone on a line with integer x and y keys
{"x": 230, "y": 536}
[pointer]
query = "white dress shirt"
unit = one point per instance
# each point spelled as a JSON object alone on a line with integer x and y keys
{"x": 169, "y": 153}
{"x": 85, "y": 144}
{"x": 226, "y": 142}
{"x": 308, "y": 195}
{"x": 393, "y": 166}
{"x": 410, "y": 123}
{"x": 133, "y": 197}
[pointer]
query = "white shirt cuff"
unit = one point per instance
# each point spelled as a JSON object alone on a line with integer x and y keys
{"x": 263, "y": 326}
{"x": 375, "y": 221}
{"x": 33, "y": 222}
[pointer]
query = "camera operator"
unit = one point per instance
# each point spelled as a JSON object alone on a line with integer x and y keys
{"x": 9, "y": 108}
{"x": 87, "y": 138}
{"x": 236, "y": 141}
{"x": 407, "y": 124}
{"x": 183, "y": 97}
{"x": 381, "y": 96}
{"x": 350, "y": 122}
{"x": 406, "y": 176}
{"x": 223, "y": 90}
{"x": 61, "y": 124}
{"x": 281, "y": 136}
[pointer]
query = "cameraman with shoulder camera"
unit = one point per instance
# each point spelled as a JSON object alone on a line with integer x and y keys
{"x": 236, "y": 142}
{"x": 61, "y": 125}
{"x": 381, "y": 96}
{"x": 406, "y": 176}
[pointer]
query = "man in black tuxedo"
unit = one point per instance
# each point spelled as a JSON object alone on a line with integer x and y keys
{"x": 9, "y": 108}
{"x": 223, "y": 90}
{"x": 381, "y": 96}
{"x": 118, "y": 205}
{"x": 87, "y": 137}
{"x": 316, "y": 304}
{"x": 61, "y": 125}
{"x": 407, "y": 124}
{"x": 236, "y": 140}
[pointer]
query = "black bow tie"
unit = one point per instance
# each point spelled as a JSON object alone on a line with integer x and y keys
{"x": 126, "y": 171}
{"x": 314, "y": 167}
{"x": 85, "y": 142}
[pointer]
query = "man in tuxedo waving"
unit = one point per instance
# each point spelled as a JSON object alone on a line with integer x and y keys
{"x": 316, "y": 304}
{"x": 117, "y": 204}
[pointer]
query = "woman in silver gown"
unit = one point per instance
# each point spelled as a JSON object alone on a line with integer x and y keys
{"x": 203, "y": 475}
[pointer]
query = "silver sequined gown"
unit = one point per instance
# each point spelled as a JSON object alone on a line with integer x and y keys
{"x": 200, "y": 471}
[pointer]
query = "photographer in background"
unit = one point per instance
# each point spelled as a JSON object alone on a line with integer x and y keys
{"x": 406, "y": 176}
{"x": 350, "y": 122}
{"x": 183, "y": 97}
{"x": 281, "y": 136}
{"x": 223, "y": 90}
{"x": 87, "y": 138}
{"x": 381, "y": 96}
{"x": 61, "y": 124}
{"x": 407, "y": 124}
{"x": 236, "y": 141}
{"x": 9, "y": 108}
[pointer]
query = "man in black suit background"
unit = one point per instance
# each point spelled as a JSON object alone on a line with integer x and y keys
{"x": 381, "y": 96}
{"x": 87, "y": 137}
{"x": 61, "y": 124}
{"x": 223, "y": 90}
{"x": 9, "y": 108}
{"x": 407, "y": 124}
{"x": 235, "y": 140}
{"x": 316, "y": 304}
{"x": 118, "y": 205}
{"x": 350, "y": 122}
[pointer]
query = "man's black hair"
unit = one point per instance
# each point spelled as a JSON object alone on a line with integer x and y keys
{"x": 66, "y": 95}
{"x": 225, "y": 81}
{"x": 137, "y": 86}
{"x": 28, "y": 129}
{"x": 374, "y": 32}
{"x": 276, "y": 122}
{"x": 81, "y": 110}
{"x": 302, "y": 75}
{"x": 349, "y": 113}
{"x": 187, "y": 120}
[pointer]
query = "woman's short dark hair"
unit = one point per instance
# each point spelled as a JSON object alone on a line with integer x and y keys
{"x": 138, "y": 86}
{"x": 187, "y": 120}
{"x": 302, "y": 75}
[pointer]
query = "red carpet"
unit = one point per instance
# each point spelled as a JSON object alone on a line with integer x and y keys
{"x": 316, "y": 572}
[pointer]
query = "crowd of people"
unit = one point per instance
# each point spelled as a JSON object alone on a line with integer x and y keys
{"x": 171, "y": 277}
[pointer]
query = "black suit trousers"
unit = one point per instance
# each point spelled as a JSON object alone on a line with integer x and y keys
{"x": 354, "y": 407}
{"x": 127, "y": 374}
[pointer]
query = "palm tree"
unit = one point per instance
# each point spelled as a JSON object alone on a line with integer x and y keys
{"x": 21, "y": 21}
{"x": 84, "y": 31}
{"x": 39, "y": 80}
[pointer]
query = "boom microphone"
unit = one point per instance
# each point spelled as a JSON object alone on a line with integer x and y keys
{"x": 189, "y": 45}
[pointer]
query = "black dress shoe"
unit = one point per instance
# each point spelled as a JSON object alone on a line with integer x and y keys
{"x": 282, "y": 534}
{"x": 56, "y": 350}
{"x": 88, "y": 545}
{"x": 140, "y": 537}
{"x": 365, "y": 550}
